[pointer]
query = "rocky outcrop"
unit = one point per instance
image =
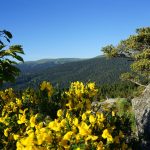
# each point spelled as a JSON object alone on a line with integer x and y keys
{"x": 97, "y": 106}
{"x": 141, "y": 107}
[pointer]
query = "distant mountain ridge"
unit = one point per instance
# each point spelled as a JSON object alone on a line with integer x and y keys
{"x": 65, "y": 70}
{"x": 32, "y": 66}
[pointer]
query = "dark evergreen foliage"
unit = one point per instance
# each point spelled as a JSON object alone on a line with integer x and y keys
{"x": 98, "y": 69}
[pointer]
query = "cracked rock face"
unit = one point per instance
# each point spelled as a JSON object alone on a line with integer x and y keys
{"x": 141, "y": 107}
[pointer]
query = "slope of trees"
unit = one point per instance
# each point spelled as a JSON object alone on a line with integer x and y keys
{"x": 99, "y": 70}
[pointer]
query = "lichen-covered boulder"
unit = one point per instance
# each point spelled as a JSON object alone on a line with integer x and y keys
{"x": 141, "y": 107}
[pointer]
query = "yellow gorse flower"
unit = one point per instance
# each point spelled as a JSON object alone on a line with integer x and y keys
{"x": 75, "y": 121}
{"x": 15, "y": 136}
{"x": 33, "y": 120}
{"x": 63, "y": 122}
{"x": 54, "y": 125}
{"x": 84, "y": 116}
{"x": 68, "y": 135}
{"x": 22, "y": 117}
{"x": 65, "y": 144}
{"x": 84, "y": 129}
{"x": 92, "y": 119}
{"x": 6, "y": 132}
{"x": 107, "y": 135}
{"x": 92, "y": 137}
{"x": 19, "y": 103}
{"x": 59, "y": 113}
{"x": 28, "y": 141}
{"x": 100, "y": 117}
{"x": 47, "y": 86}
{"x": 74, "y": 127}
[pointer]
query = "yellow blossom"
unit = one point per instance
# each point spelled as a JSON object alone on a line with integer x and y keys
{"x": 65, "y": 144}
{"x": 22, "y": 119}
{"x": 92, "y": 119}
{"x": 74, "y": 129}
{"x": 100, "y": 117}
{"x": 68, "y": 135}
{"x": 75, "y": 121}
{"x": 6, "y": 132}
{"x": 15, "y": 136}
{"x": 83, "y": 116}
{"x": 48, "y": 137}
{"x": 59, "y": 113}
{"x": 68, "y": 116}
{"x": 88, "y": 112}
{"x": 54, "y": 125}
{"x": 40, "y": 138}
{"x": 63, "y": 122}
{"x": 14, "y": 109}
{"x": 27, "y": 141}
{"x": 92, "y": 137}
{"x": 84, "y": 129}
{"x": 78, "y": 137}
{"x": 48, "y": 87}
{"x": 19, "y": 103}
{"x": 69, "y": 104}
{"x": 43, "y": 85}
{"x": 107, "y": 135}
{"x": 91, "y": 86}
{"x": 19, "y": 146}
{"x": 33, "y": 120}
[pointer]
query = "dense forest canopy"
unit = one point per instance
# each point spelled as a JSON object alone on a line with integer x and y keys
{"x": 98, "y": 69}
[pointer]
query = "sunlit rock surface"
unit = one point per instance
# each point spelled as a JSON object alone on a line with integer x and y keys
{"x": 141, "y": 106}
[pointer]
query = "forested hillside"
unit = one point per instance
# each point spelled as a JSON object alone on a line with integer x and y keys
{"x": 98, "y": 69}
{"x": 39, "y": 65}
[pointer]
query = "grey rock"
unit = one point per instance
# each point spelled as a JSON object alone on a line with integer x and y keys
{"x": 141, "y": 107}
{"x": 97, "y": 106}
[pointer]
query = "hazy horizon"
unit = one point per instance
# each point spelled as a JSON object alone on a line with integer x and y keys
{"x": 64, "y": 58}
{"x": 64, "y": 28}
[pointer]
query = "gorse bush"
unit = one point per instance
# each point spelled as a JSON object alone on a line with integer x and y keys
{"x": 49, "y": 119}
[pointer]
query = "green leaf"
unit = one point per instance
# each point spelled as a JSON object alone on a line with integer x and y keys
{"x": 8, "y": 71}
{"x": 17, "y": 49}
{"x": 19, "y": 58}
{"x": 8, "y": 33}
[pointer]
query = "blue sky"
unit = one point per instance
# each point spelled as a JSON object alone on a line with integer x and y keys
{"x": 71, "y": 28}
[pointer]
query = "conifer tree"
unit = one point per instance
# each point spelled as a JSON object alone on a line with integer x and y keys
{"x": 135, "y": 48}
